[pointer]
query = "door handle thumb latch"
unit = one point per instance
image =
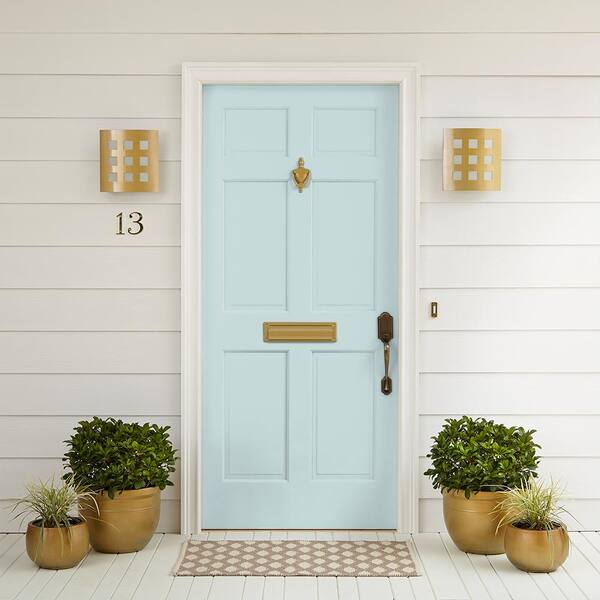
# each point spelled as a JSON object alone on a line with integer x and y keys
{"x": 385, "y": 332}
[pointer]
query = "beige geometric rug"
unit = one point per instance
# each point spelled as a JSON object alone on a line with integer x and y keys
{"x": 296, "y": 558}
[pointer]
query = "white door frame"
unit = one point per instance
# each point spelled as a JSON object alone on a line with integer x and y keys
{"x": 194, "y": 76}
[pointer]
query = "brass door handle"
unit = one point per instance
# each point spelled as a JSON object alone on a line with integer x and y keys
{"x": 385, "y": 332}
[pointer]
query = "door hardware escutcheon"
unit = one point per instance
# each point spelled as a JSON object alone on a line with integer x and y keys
{"x": 301, "y": 175}
{"x": 385, "y": 332}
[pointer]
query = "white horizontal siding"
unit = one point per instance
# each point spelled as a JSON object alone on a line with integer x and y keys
{"x": 524, "y": 181}
{"x": 571, "y": 474}
{"x": 509, "y": 351}
{"x": 106, "y": 267}
{"x": 54, "y": 394}
{"x": 559, "y": 435}
{"x": 88, "y": 225}
{"x": 543, "y": 138}
{"x": 46, "y": 435}
{"x": 93, "y": 329}
{"x": 525, "y": 309}
{"x": 506, "y": 224}
{"x": 89, "y": 352}
{"x": 277, "y": 17}
{"x": 90, "y": 96}
{"x": 76, "y": 139}
{"x": 510, "y": 266}
{"x": 89, "y": 310}
{"x": 510, "y": 393}
{"x": 438, "y": 53}
{"x": 76, "y": 182}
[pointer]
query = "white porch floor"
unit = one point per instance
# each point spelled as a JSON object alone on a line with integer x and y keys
{"x": 448, "y": 574}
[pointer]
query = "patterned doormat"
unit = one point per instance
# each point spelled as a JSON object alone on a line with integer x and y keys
{"x": 296, "y": 558}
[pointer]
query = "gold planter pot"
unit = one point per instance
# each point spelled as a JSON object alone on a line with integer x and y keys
{"x": 57, "y": 547}
{"x": 470, "y": 523}
{"x": 536, "y": 551}
{"x": 125, "y": 523}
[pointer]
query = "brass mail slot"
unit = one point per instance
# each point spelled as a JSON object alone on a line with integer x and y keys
{"x": 299, "y": 332}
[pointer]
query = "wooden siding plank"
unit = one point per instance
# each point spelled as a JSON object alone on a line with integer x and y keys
{"x": 88, "y": 225}
{"x": 90, "y": 268}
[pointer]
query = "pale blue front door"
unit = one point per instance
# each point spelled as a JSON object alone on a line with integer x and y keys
{"x": 298, "y": 434}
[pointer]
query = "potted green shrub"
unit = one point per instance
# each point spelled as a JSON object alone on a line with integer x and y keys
{"x": 57, "y": 538}
{"x": 127, "y": 465}
{"x": 473, "y": 460}
{"x": 536, "y": 539}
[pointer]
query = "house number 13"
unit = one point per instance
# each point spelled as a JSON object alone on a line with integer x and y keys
{"x": 135, "y": 219}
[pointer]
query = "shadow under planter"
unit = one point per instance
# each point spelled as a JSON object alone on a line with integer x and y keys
{"x": 124, "y": 523}
{"x": 472, "y": 522}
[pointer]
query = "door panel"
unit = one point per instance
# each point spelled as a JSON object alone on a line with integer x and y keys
{"x": 298, "y": 435}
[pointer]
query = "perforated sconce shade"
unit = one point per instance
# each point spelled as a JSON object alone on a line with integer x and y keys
{"x": 128, "y": 160}
{"x": 472, "y": 159}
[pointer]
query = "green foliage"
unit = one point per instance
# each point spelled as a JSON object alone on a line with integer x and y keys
{"x": 53, "y": 505}
{"x": 480, "y": 455}
{"x": 532, "y": 505}
{"x": 110, "y": 455}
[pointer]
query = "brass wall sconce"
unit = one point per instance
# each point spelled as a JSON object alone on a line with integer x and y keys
{"x": 128, "y": 160}
{"x": 472, "y": 159}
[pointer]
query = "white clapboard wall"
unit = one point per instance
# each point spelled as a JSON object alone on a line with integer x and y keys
{"x": 89, "y": 321}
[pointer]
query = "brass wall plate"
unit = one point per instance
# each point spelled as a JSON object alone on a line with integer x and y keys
{"x": 472, "y": 159}
{"x": 299, "y": 332}
{"x": 129, "y": 160}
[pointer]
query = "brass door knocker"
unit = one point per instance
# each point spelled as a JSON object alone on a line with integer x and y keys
{"x": 301, "y": 175}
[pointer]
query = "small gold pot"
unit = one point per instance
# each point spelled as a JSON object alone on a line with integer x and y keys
{"x": 536, "y": 551}
{"x": 57, "y": 547}
{"x": 125, "y": 523}
{"x": 471, "y": 524}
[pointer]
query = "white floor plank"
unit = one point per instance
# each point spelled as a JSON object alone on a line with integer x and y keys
{"x": 465, "y": 569}
{"x": 300, "y": 588}
{"x": 180, "y": 589}
{"x": 113, "y": 577}
{"x": 401, "y": 588}
{"x": 547, "y": 586}
{"x": 84, "y": 582}
{"x": 215, "y": 536}
{"x": 227, "y": 588}
{"x": 18, "y": 575}
{"x": 127, "y": 586}
{"x": 146, "y": 575}
{"x": 490, "y": 579}
{"x": 327, "y": 588}
{"x": 519, "y": 585}
{"x": 239, "y": 535}
{"x": 583, "y": 573}
{"x": 444, "y": 579}
{"x": 54, "y": 588}
{"x": 253, "y": 589}
{"x": 374, "y": 588}
{"x": 347, "y": 588}
{"x": 274, "y": 588}
{"x": 279, "y": 535}
{"x": 36, "y": 584}
{"x": 568, "y": 587}
{"x": 301, "y": 535}
{"x": 324, "y": 536}
{"x": 588, "y": 549}
{"x": 262, "y": 534}
{"x": 14, "y": 548}
{"x": 200, "y": 588}
{"x": 367, "y": 536}
{"x": 158, "y": 578}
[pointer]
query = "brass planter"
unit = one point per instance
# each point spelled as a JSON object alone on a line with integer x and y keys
{"x": 470, "y": 523}
{"x": 124, "y": 524}
{"x": 536, "y": 551}
{"x": 57, "y": 547}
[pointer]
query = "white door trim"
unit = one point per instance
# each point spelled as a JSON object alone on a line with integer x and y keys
{"x": 194, "y": 76}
